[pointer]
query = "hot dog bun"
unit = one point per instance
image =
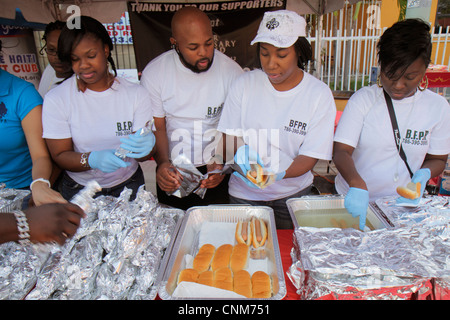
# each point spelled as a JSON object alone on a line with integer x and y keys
{"x": 259, "y": 232}
{"x": 244, "y": 232}
{"x": 411, "y": 191}
{"x": 206, "y": 278}
{"x": 257, "y": 175}
{"x": 203, "y": 258}
{"x": 239, "y": 257}
{"x": 222, "y": 257}
{"x": 223, "y": 279}
{"x": 261, "y": 285}
{"x": 189, "y": 275}
{"x": 242, "y": 283}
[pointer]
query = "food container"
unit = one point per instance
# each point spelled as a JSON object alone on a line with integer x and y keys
{"x": 192, "y": 231}
{"x": 330, "y": 212}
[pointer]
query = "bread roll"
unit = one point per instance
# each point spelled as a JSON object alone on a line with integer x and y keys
{"x": 261, "y": 285}
{"x": 411, "y": 191}
{"x": 239, "y": 257}
{"x": 259, "y": 232}
{"x": 203, "y": 258}
{"x": 242, "y": 283}
{"x": 206, "y": 278}
{"x": 222, "y": 257}
{"x": 244, "y": 232}
{"x": 256, "y": 175}
{"x": 223, "y": 279}
{"x": 189, "y": 275}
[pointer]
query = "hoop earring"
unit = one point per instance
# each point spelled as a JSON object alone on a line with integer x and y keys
{"x": 379, "y": 82}
{"x": 426, "y": 84}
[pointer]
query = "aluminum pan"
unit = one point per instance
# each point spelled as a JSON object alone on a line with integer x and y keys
{"x": 187, "y": 242}
{"x": 320, "y": 203}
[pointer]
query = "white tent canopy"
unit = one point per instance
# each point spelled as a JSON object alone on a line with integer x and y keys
{"x": 109, "y": 11}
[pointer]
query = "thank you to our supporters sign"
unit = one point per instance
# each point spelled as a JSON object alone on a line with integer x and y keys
{"x": 234, "y": 24}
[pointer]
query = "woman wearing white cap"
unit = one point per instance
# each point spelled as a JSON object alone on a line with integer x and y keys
{"x": 284, "y": 116}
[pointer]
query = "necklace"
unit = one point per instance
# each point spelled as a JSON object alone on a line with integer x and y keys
{"x": 399, "y": 138}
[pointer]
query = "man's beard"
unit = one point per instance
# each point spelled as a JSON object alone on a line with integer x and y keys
{"x": 192, "y": 67}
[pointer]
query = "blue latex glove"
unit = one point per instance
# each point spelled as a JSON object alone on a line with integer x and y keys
{"x": 280, "y": 175}
{"x": 138, "y": 145}
{"x": 356, "y": 202}
{"x": 244, "y": 157}
{"x": 422, "y": 176}
{"x": 106, "y": 161}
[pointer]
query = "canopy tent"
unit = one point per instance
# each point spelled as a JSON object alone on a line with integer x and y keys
{"x": 110, "y": 11}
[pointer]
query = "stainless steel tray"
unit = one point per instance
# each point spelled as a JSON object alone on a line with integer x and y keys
{"x": 318, "y": 211}
{"x": 188, "y": 239}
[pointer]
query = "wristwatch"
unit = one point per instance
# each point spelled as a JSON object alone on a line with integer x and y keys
{"x": 84, "y": 160}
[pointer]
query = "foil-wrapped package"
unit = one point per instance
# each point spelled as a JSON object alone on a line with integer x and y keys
{"x": 11, "y": 199}
{"x": 191, "y": 177}
{"x": 115, "y": 254}
{"x": 389, "y": 263}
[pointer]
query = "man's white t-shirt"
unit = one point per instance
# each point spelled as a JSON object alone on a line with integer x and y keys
{"x": 365, "y": 125}
{"x": 96, "y": 121}
{"x": 191, "y": 102}
{"x": 48, "y": 81}
{"x": 279, "y": 125}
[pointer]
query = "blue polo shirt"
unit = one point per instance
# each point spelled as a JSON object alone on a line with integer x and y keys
{"x": 17, "y": 98}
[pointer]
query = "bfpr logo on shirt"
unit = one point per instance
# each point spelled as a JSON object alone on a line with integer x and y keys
{"x": 415, "y": 137}
{"x": 124, "y": 128}
{"x": 297, "y": 127}
{"x": 213, "y": 112}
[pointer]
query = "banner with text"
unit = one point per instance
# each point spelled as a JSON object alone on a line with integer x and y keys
{"x": 234, "y": 23}
{"x": 19, "y": 55}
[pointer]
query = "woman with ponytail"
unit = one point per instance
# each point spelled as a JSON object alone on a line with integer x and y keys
{"x": 94, "y": 112}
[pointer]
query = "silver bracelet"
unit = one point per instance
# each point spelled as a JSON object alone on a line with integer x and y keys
{"x": 22, "y": 227}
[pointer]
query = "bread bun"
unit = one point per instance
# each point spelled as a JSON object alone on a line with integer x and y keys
{"x": 411, "y": 191}
{"x": 222, "y": 257}
{"x": 244, "y": 232}
{"x": 257, "y": 175}
{"x": 203, "y": 258}
{"x": 223, "y": 279}
{"x": 261, "y": 285}
{"x": 242, "y": 283}
{"x": 189, "y": 275}
{"x": 259, "y": 232}
{"x": 239, "y": 257}
{"x": 206, "y": 278}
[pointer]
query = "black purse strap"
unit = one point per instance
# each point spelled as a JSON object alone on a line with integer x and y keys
{"x": 396, "y": 130}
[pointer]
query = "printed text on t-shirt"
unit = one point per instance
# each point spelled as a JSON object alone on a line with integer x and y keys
{"x": 297, "y": 127}
{"x": 124, "y": 128}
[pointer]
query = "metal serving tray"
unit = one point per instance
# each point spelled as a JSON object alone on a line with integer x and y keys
{"x": 330, "y": 212}
{"x": 188, "y": 239}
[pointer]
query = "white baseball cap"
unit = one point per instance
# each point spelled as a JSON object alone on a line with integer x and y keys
{"x": 280, "y": 28}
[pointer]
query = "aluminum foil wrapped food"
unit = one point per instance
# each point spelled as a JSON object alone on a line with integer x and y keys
{"x": 390, "y": 263}
{"x": 191, "y": 177}
{"x": 11, "y": 199}
{"x": 20, "y": 265}
{"x": 115, "y": 254}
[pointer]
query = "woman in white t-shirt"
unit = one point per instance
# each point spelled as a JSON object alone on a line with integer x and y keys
{"x": 284, "y": 116}
{"x": 366, "y": 153}
{"x": 88, "y": 116}
{"x": 56, "y": 71}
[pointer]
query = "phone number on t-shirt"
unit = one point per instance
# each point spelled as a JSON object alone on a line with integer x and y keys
{"x": 293, "y": 130}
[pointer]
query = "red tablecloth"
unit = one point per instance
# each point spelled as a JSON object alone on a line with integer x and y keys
{"x": 285, "y": 242}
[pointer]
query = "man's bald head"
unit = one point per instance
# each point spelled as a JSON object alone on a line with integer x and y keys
{"x": 188, "y": 18}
